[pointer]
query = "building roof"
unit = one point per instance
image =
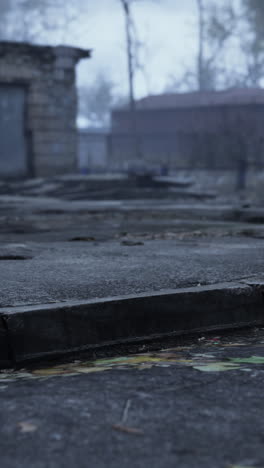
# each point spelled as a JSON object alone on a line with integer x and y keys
{"x": 42, "y": 51}
{"x": 233, "y": 96}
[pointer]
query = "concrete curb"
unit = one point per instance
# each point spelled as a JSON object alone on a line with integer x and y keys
{"x": 44, "y": 331}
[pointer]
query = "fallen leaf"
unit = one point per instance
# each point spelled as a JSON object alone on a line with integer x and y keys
{"x": 227, "y": 345}
{"x": 217, "y": 367}
{"x": 111, "y": 361}
{"x": 22, "y": 375}
{"x": 145, "y": 366}
{"x": 128, "y": 430}
{"x": 4, "y": 376}
{"x": 250, "y": 360}
{"x": 130, "y": 361}
{"x": 206, "y": 356}
{"x": 50, "y": 372}
{"x": 26, "y": 427}
{"x": 89, "y": 370}
{"x": 168, "y": 356}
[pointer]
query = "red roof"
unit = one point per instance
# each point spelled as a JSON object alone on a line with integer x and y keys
{"x": 237, "y": 96}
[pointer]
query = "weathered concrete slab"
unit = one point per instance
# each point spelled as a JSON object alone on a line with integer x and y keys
{"x": 91, "y": 269}
{"x": 140, "y": 254}
{"x": 37, "y": 332}
{"x": 6, "y": 357}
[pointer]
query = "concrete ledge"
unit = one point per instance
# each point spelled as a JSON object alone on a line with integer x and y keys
{"x": 5, "y": 352}
{"x": 39, "y": 332}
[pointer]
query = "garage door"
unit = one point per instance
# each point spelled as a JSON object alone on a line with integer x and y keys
{"x": 13, "y": 151}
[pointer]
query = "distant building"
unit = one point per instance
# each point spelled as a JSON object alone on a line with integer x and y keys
{"x": 93, "y": 150}
{"x": 208, "y": 131}
{"x": 38, "y": 106}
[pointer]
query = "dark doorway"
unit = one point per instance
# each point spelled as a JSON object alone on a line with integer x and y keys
{"x": 13, "y": 148}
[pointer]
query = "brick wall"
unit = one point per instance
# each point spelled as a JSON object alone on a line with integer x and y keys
{"x": 48, "y": 74}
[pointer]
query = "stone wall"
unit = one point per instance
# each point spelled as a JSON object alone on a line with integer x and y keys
{"x": 48, "y": 75}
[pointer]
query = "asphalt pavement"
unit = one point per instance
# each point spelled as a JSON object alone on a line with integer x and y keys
{"x": 50, "y": 257}
{"x": 197, "y": 404}
{"x": 193, "y": 402}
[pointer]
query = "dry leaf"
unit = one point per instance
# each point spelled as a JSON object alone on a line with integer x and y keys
{"x": 26, "y": 427}
{"x": 50, "y": 372}
{"x": 250, "y": 360}
{"x": 217, "y": 367}
{"x": 130, "y": 361}
{"x": 145, "y": 366}
{"x": 89, "y": 370}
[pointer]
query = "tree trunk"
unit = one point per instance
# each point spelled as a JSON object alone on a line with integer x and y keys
{"x": 131, "y": 76}
{"x": 200, "y": 61}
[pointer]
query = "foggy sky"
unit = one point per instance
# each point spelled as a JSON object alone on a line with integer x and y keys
{"x": 167, "y": 28}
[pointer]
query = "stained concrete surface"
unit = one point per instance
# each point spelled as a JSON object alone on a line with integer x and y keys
{"x": 55, "y": 249}
{"x": 86, "y": 270}
{"x": 186, "y": 418}
{"x": 183, "y": 416}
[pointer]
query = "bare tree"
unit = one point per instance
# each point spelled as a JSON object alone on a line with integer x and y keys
{"x": 245, "y": 23}
{"x": 217, "y": 24}
{"x": 130, "y": 38}
{"x": 134, "y": 46}
{"x": 96, "y": 101}
{"x": 129, "y": 47}
{"x": 252, "y": 43}
{"x": 31, "y": 20}
{"x": 201, "y": 31}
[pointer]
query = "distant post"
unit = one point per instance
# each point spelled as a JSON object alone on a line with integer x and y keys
{"x": 241, "y": 159}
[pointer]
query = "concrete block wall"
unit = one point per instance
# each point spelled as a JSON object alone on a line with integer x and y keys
{"x": 48, "y": 75}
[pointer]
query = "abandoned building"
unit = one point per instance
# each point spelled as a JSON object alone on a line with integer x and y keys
{"x": 215, "y": 131}
{"x": 93, "y": 150}
{"x": 38, "y": 106}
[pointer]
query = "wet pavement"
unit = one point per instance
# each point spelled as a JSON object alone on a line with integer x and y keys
{"x": 195, "y": 403}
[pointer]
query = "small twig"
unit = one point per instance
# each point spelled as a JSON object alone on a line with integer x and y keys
{"x": 128, "y": 430}
{"x": 125, "y": 412}
{"x": 122, "y": 427}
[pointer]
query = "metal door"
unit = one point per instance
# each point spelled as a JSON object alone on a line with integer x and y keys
{"x": 13, "y": 151}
